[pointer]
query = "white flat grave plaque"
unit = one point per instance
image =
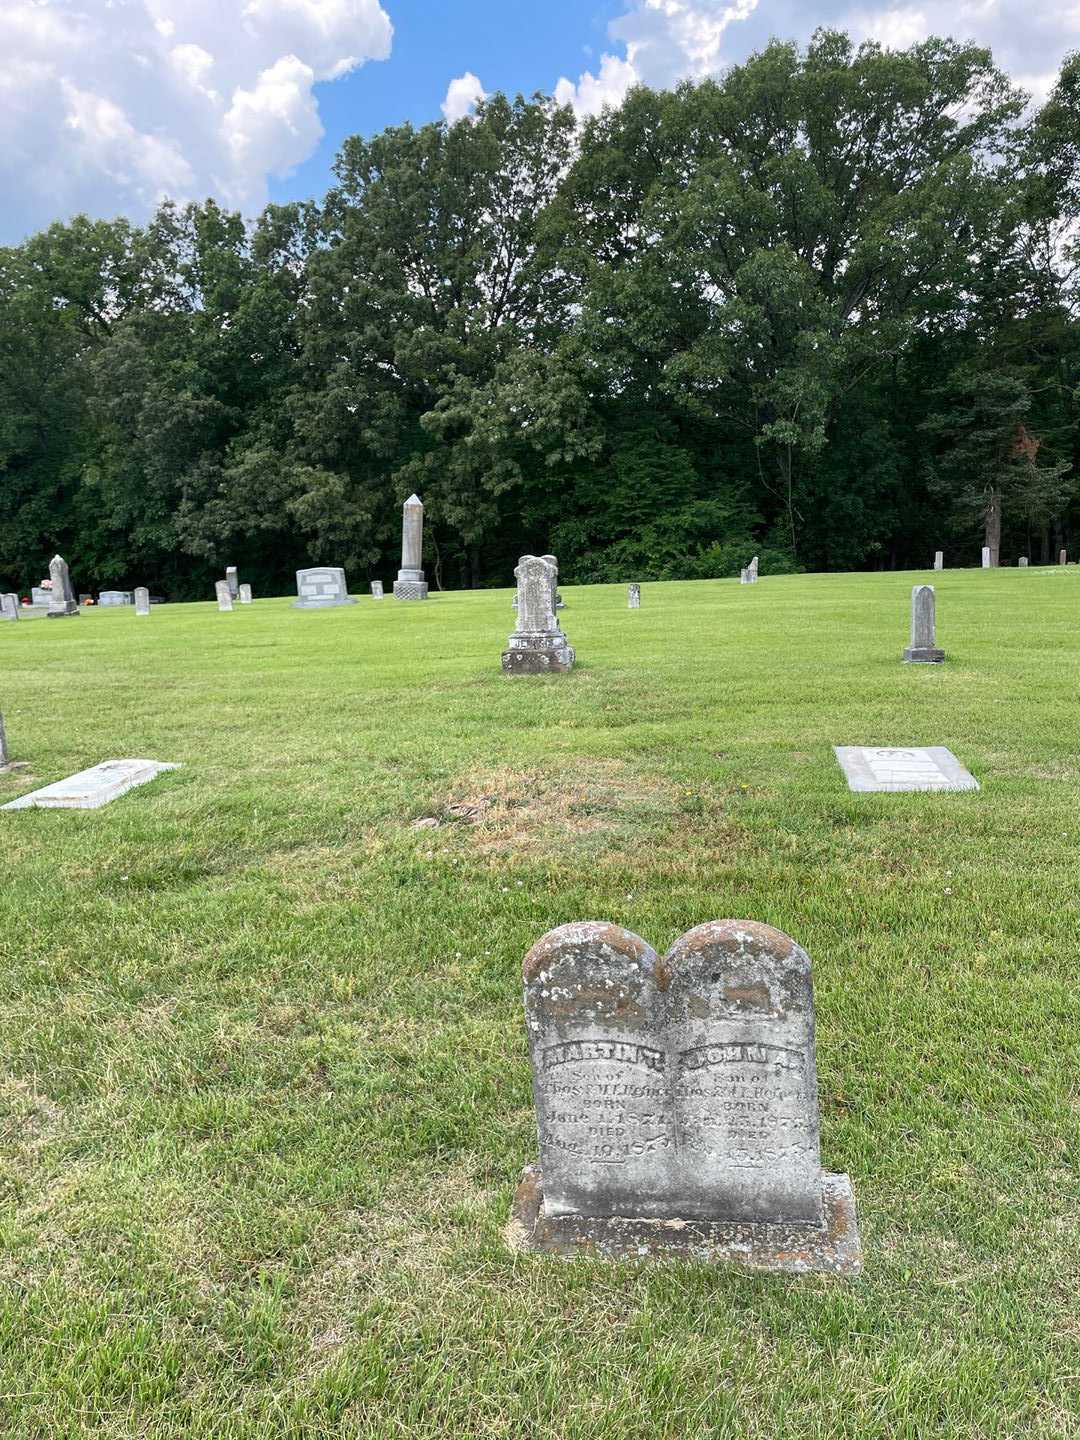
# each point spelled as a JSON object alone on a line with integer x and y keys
{"x": 931, "y": 767}
{"x": 92, "y": 788}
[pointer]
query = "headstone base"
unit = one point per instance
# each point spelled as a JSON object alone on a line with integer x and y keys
{"x": 542, "y": 659}
{"x": 832, "y": 1249}
{"x": 921, "y": 655}
{"x": 326, "y": 604}
{"x": 410, "y": 590}
{"x": 63, "y": 614}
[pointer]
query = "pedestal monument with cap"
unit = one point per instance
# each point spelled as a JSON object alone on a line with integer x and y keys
{"x": 410, "y": 583}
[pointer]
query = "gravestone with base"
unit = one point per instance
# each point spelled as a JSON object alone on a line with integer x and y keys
{"x": 923, "y": 648}
{"x": 321, "y": 587}
{"x": 676, "y": 1102}
{"x": 245, "y": 596}
{"x": 224, "y": 594}
{"x": 633, "y": 597}
{"x": 538, "y": 645}
{"x": 62, "y": 600}
{"x": 142, "y": 600}
{"x": 410, "y": 583}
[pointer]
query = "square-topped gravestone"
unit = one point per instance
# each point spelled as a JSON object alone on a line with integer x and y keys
{"x": 1063, "y": 556}
{"x": 142, "y": 600}
{"x": 39, "y": 595}
{"x": 633, "y": 597}
{"x": 90, "y": 789}
{"x": 939, "y": 560}
{"x": 893, "y": 768}
{"x": 245, "y": 596}
{"x": 376, "y": 589}
{"x": 676, "y": 1102}
{"x": 224, "y": 594}
{"x": 986, "y": 557}
{"x": 9, "y": 607}
{"x": 108, "y": 598}
{"x": 232, "y": 579}
{"x": 320, "y": 587}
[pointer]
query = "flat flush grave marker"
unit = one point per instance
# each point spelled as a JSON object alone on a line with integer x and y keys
{"x": 888, "y": 768}
{"x": 90, "y": 789}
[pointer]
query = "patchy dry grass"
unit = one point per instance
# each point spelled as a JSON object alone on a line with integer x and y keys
{"x": 264, "y": 1093}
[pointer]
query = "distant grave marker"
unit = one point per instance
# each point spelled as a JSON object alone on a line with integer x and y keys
{"x": 633, "y": 597}
{"x": 321, "y": 587}
{"x": 890, "y": 768}
{"x": 245, "y": 596}
{"x": 224, "y": 594}
{"x": 923, "y": 649}
{"x": 376, "y": 589}
{"x": 62, "y": 600}
{"x": 9, "y": 607}
{"x": 109, "y": 598}
{"x": 142, "y": 600}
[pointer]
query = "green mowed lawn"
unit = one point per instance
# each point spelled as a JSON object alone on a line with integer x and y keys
{"x": 265, "y": 1092}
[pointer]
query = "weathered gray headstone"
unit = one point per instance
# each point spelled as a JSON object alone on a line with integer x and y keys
{"x": 376, "y": 590}
{"x": 245, "y": 594}
{"x": 538, "y": 645}
{"x": 142, "y": 600}
{"x": 753, "y": 569}
{"x": 109, "y": 598}
{"x": 986, "y": 557}
{"x": 232, "y": 579}
{"x": 62, "y": 600}
{"x": 745, "y": 577}
{"x": 1022, "y": 562}
{"x": 872, "y": 768}
{"x": 676, "y": 1101}
{"x": 939, "y": 560}
{"x": 923, "y": 648}
{"x": 9, "y": 607}
{"x": 321, "y": 587}
{"x": 410, "y": 583}
{"x": 1063, "y": 556}
{"x": 90, "y": 789}
{"x": 39, "y": 595}
{"x": 633, "y": 597}
{"x": 224, "y": 594}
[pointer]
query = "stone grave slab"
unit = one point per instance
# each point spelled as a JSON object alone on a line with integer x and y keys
{"x": 676, "y": 1102}
{"x": 895, "y": 768}
{"x": 320, "y": 587}
{"x": 90, "y": 789}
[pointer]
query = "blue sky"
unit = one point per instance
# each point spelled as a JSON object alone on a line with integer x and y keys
{"x": 108, "y": 106}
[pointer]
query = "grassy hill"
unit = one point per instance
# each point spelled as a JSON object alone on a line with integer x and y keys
{"x": 265, "y": 1096}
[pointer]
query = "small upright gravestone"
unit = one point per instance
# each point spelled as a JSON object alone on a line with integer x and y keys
{"x": 633, "y": 598}
{"x": 321, "y": 587}
{"x": 224, "y": 594}
{"x": 986, "y": 557}
{"x": 410, "y": 583}
{"x": 939, "y": 560}
{"x": 62, "y": 600}
{"x": 676, "y": 1102}
{"x": 1022, "y": 562}
{"x": 9, "y": 607}
{"x": 232, "y": 579}
{"x": 245, "y": 594}
{"x": 376, "y": 590}
{"x": 538, "y": 645}
{"x": 923, "y": 648}
{"x": 1063, "y": 556}
{"x": 142, "y": 600}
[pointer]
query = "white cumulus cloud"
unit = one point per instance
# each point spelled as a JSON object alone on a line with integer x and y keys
{"x": 462, "y": 97}
{"x": 110, "y": 107}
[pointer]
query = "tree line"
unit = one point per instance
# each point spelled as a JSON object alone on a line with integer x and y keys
{"x": 822, "y": 308}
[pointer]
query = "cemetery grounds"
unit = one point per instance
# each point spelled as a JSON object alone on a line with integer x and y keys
{"x": 265, "y": 1092}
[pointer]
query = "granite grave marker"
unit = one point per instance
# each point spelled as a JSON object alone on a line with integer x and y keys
{"x": 62, "y": 600}
{"x": 633, "y": 597}
{"x": 142, "y": 600}
{"x": 232, "y": 579}
{"x": 889, "y": 768}
{"x": 245, "y": 596}
{"x": 224, "y": 594}
{"x": 923, "y": 648}
{"x": 90, "y": 789}
{"x": 320, "y": 587}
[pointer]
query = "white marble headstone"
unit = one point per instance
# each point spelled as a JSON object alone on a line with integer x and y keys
{"x": 893, "y": 768}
